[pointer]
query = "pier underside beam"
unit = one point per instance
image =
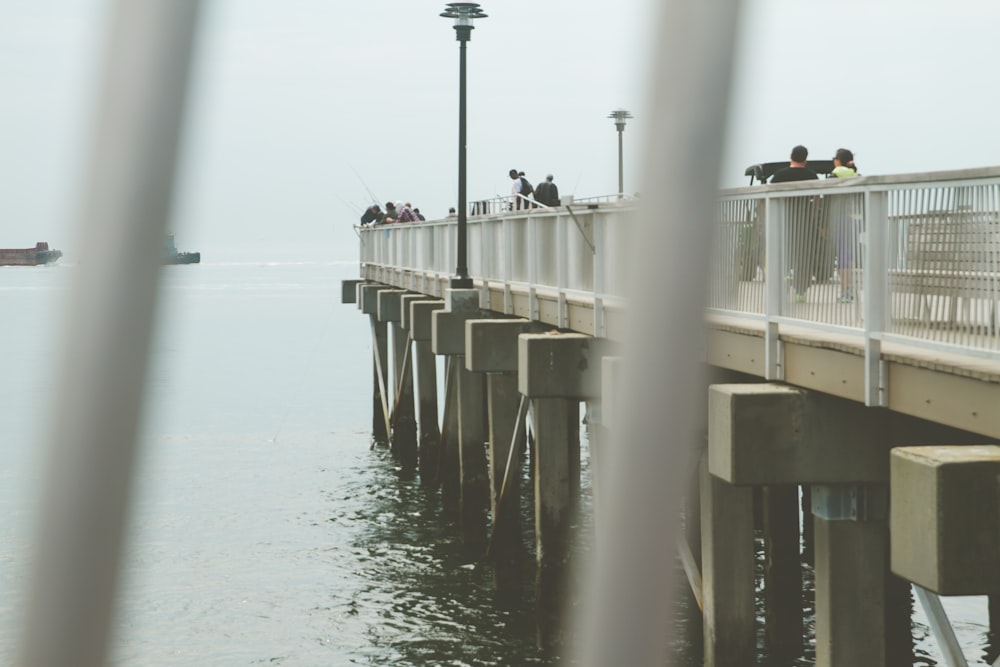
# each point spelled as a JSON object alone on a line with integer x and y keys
{"x": 945, "y": 517}
{"x": 775, "y": 437}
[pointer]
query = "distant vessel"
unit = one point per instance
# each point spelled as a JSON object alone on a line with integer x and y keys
{"x": 171, "y": 256}
{"x": 40, "y": 254}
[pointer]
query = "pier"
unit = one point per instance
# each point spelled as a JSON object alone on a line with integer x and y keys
{"x": 852, "y": 373}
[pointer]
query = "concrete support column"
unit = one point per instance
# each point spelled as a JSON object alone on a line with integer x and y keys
{"x": 465, "y": 409}
{"x": 807, "y": 523}
{"x": 782, "y": 572}
{"x": 404, "y": 420}
{"x": 429, "y": 445}
{"x": 503, "y": 401}
{"x": 380, "y": 356}
{"x": 557, "y": 488}
{"x": 556, "y": 372}
{"x": 475, "y": 487}
{"x": 850, "y": 592}
{"x": 727, "y": 572}
{"x": 416, "y": 315}
{"x": 449, "y": 469}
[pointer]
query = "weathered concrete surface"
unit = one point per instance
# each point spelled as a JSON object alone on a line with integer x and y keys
{"x": 349, "y": 290}
{"x": 404, "y": 307}
{"x": 388, "y": 305}
{"x": 774, "y": 434}
{"x": 727, "y": 572}
{"x": 557, "y": 487}
{"x": 944, "y": 518}
{"x": 561, "y": 365}
{"x": 429, "y": 442}
{"x": 369, "y": 297}
{"x": 448, "y": 325}
{"x": 419, "y": 320}
{"x": 850, "y": 593}
{"x": 491, "y": 345}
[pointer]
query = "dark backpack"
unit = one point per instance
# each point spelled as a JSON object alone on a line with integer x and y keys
{"x": 526, "y": 188}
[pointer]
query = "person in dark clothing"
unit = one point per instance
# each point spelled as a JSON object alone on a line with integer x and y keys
{"x": 804, "y": 236}
{"x": 796, "y": 169}
{"x": 547, "y": 193}
{"x": 391, "y": 214}
{"x": 373, "y": 215}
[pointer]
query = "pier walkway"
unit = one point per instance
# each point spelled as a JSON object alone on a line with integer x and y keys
{"x": 824, "y": 301}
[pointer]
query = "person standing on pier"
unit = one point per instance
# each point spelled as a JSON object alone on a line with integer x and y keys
{"x": 848, "y": 227}
{"x": 520, "y": 189}
{"x": 796, "y": 169}
{"x": 803, "y": 234}
{"x": 547, "y": 193}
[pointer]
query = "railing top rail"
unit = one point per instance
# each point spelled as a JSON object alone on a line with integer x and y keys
{"x": 932, "y": 178}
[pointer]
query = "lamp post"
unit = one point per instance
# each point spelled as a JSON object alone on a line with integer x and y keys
{"x": 463, "y": 13}
{"x": 620, "y": 115}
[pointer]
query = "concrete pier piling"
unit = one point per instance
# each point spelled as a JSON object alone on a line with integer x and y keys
{"x": 448, "y": 338}
{"x": 368, "y": 303}
{"x": 782, "y": 572}
{"x": 417, "y": 321}
{"x": 491, "y": 347}
{"x": 556, "y": 372}
{"x": 449, "y": 471}
{"x": 774, "y": 451}
{"x": 727, "y": 572}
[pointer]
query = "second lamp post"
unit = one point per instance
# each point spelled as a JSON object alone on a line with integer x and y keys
{"x": 620, "y": 115}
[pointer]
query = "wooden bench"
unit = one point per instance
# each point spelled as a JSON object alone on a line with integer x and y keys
{"x": 944, "y": 260}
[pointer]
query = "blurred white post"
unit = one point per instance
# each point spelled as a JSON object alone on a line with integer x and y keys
{"x": 626, "y": 612}
{"x": 108, "y": 324}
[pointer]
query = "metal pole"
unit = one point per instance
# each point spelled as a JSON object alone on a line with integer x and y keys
{"x": 626, "y": 609}
{"x": 461, "y": 279}
{"x": 108, "y": 327}
{"x": 621, "y": 171}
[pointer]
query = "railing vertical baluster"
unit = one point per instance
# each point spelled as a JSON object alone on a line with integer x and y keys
{"x": 600, "y": 261}
{"x": 775, "y": 215}
{"x": 876, "y": 302}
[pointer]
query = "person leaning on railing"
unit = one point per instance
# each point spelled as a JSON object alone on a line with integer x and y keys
{"x": 373, "y": 215}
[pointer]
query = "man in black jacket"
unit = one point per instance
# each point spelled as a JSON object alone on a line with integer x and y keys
{"x": 547, "y": 193}
{"x": 373, "y": 215}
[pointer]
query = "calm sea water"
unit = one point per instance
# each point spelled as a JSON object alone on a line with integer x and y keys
{"x": 265, "y": 531}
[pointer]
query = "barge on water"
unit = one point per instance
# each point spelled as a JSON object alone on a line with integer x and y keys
{"x": 40, "y": 254}
{"x": 171, "y": 256}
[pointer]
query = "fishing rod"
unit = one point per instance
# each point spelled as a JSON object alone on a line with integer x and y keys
{"x": 370, "y": 193}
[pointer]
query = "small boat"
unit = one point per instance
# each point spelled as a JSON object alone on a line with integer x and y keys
{"x": 171, "y": 256}
{"x": 40, "y": 254}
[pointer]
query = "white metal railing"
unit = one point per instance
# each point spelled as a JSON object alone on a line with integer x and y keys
{"x": 910, "y": 258}
{"x": 913, "y": 258}
{"x": 572, "y": 253}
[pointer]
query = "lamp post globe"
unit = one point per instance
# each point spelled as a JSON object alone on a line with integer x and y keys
{"x": 463, "y": 14}
{"x": 619, "y": 116}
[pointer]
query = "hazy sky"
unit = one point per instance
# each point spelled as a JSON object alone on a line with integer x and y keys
{"x": 295, "y": 103}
